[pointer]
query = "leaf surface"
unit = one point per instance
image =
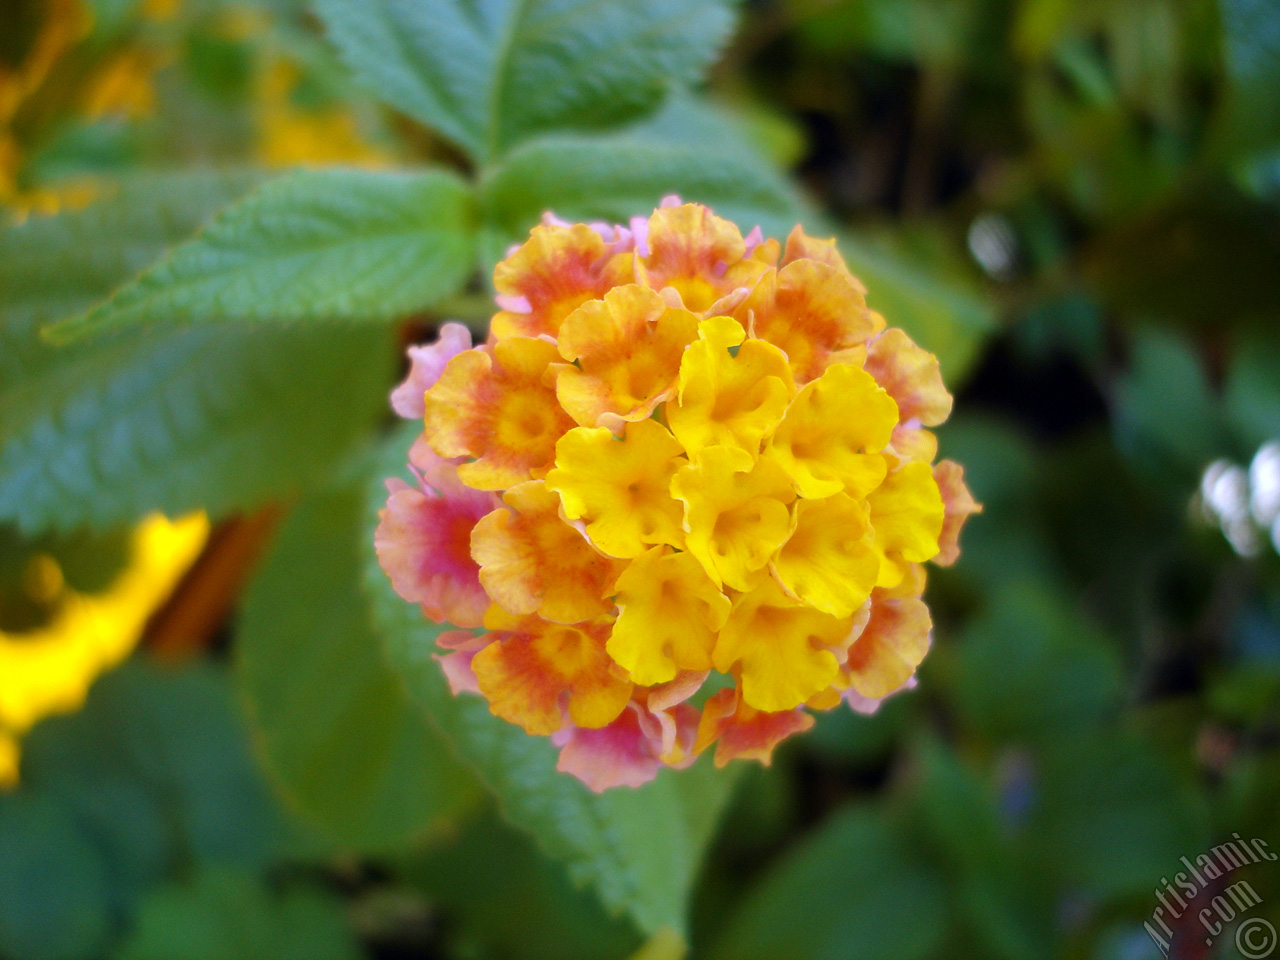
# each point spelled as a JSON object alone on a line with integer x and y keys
{"x": 339, "y": 733}
{"x": 325, "y": 244}
{"x": 489, "y": 73}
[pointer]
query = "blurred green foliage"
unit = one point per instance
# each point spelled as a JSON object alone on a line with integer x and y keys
{"x": 1075, "y": 204}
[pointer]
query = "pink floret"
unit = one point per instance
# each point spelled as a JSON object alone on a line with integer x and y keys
{"x": 423, "y": 542}
{"x": 426, "y": 364}
{"x": 456, "y": 664}
{"x": 626, "y": 753}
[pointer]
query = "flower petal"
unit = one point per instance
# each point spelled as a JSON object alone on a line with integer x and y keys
{"x": 499, "y": 410}
{"x": 801, "y": 246}
{"x": 620, "y": 486}
{"x": 532, "y": 561}
{"x": 426, "y": 363}
{"x": 735, "y": 513}
{"x": 669, "y": 613}
{"x": 534, "y": 669}
{"x": 740, "y": 731}
{"x": 729, "y": 399}
{"x": 423, "y": 542}
{"x": 829, "y": 561}
{"x": 907, "y": 515}
{"x": 626, "y": 753}
{"x": 695, "y": 252}
{"x": 627, "y": 348}
{"x": 957, "y": 504}
{"x": 912, "y": 443}
{"x": 462, "y": 645}
{"x": 830, "y": 438}
{"x": 911, "y": 376}
{"x": 784, "y": 652}
{"x": 630, "y": 750}
{"x": 890, "y": 647}
{"x": 868, "y": 706}
{"x": 550, "y": 275}
{"x": 677, "y": 719}
{"x": 814, "y": 314}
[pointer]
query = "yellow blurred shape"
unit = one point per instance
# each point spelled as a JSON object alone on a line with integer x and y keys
{"x": 8, "y": 761}
{"x": 43, "y": 580}
{"x": 66, "y": 23}
{"x": 50, "y": 670}
{"x": 159, "y": 9}
{"x": 46, "y": 201}
{"x": 120, "y": 85}
{"x": 666, "y": 944}
{"x": 289, "y": 135}
{"x": 123, "y": 86}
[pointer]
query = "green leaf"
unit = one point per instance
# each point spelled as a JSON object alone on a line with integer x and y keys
{"x": 312, "y": 245}
{"x": 1172, "y": 430}
{"x": 185, "y": 419}
{"x": 231, "y": 915}
{"x": 497, "y": 890}
{"x": 112, "y": 18}
{"x": 640, "y": 849}
{"x": 1058, "y": 675}
{"x": 1110, "y": 832}
{"x": 152, "y": 774}
{"x": 490, "y": 73}
{"x": 173, "y": 419}
{"x": 936, "y": 35}
{"x": 52, "y": 267}
{"x": 334, "y": 723}
{"x": 53, "y": 891}
{"x": 1251, "y": 54}
{"x": 957, "y": 813}
{"x": 621, "y": 177}
{"x": 157, "y": 768}
{"x": 1252, "y": 395}
{"x": 1195, "y": 258}
{"x": 852, "y": 889}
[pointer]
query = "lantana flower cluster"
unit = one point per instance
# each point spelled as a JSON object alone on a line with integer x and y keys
{"x": 681, "y": 496}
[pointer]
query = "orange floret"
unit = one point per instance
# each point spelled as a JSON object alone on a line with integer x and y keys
{"x": 911, "y": 376}
{"x": 700, "y": 256}
{"x": 957, "y": 506}
{"x": 627, "y": 349}
{"x": 740, "y": 731}
{"x": 535, "y": 671}
{"x": 553, "y": 273}
{"x": 499, "y": 410}
{"x": 890, "y": 647}
{"x": 531, "y": 561}
{"x": 814, "y": 313}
